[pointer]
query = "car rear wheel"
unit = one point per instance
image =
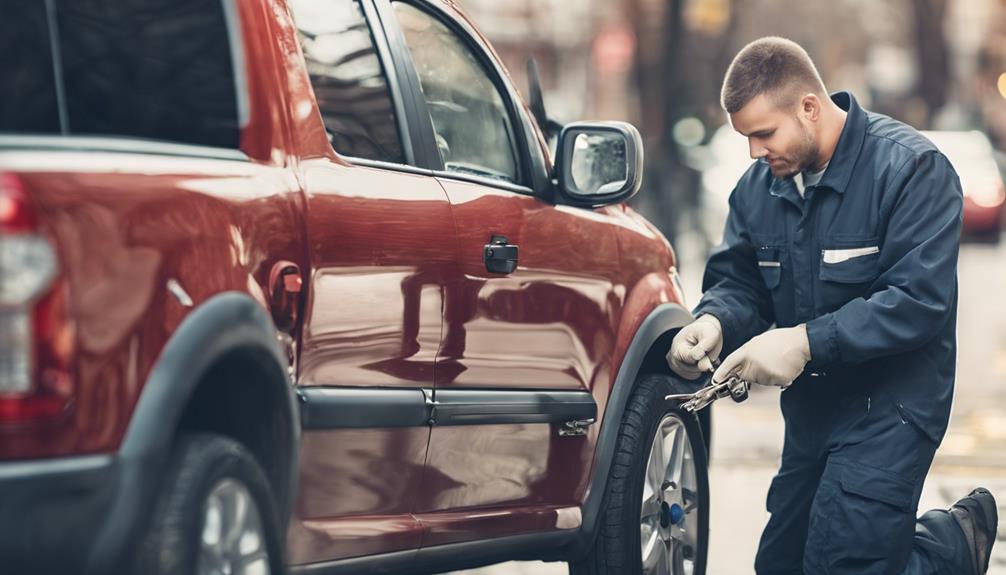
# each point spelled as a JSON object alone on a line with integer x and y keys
{"x": 655, "y": 516}
{"x": 215, "y": 514}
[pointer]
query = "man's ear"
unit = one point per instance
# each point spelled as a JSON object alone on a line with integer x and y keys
{"x": 810, "y": 107}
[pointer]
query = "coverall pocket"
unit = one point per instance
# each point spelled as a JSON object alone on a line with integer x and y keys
{"x": 860, "y": 264}
{"x": 877, "y": 484}
{"x": 770, "y": 266}
{"x": 868, "y": 524}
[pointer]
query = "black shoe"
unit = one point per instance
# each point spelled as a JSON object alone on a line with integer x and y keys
{"x": 977, "y": 517}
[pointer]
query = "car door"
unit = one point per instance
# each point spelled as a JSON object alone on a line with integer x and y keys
{"x": 530, "y": 314}
{"x": 380, "y": 239}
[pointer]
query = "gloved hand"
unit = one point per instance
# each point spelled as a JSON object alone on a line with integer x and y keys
{"x": 776, "y": 357}
{"x": 695, "y": 346}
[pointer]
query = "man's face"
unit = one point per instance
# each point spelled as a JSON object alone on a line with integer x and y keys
{"x": 784, "y": 137}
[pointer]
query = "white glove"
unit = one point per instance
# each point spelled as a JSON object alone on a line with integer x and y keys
{"x": 776, "y": 357}
{"x": 695, "y": 346}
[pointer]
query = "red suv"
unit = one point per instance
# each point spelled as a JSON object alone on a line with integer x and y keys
{"x": 296, "y": 285}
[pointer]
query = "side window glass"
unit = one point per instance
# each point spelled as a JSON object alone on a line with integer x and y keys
{"x": 161, "y": 70}
{"x": 472, "y": 128}
{"x": 29, "y": 103}
{"x": 348, "y": 79}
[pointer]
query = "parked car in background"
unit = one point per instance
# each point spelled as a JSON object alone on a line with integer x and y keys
{"x": 298, "y": 285}
{"x": 984, "y": 194}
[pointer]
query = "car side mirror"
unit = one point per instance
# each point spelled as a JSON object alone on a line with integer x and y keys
{"x": 600, "y": 163}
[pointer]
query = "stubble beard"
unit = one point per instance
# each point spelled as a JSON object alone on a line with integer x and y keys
{"x": 805, "y": 155}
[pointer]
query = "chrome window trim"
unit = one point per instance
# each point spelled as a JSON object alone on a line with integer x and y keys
{"x": 232, "y": 19}
{"x": 118, "y": 144}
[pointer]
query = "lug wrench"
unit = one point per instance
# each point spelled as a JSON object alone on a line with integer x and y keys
{"x": 736, "y": 388}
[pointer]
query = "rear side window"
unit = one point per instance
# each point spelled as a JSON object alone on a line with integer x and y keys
{"x": 348, "y": 79}
{"x": 29, "y": 101}
{"x": 160, "y": 69}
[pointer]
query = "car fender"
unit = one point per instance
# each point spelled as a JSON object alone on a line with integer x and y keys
{"x": 658, "y": 320}
{"x": 223, "y": 324}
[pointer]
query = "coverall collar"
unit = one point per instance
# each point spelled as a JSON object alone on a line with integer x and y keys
{"x": 843, "y": 161}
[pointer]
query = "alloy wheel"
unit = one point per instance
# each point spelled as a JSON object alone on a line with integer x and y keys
{"x": 232, "y": 541}
{"x": 668, "y": 524}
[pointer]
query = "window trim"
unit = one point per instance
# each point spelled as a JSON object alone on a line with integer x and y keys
{"x": 118, "y": 145}
{"x": 473, "y": 179}
{"x": 417, "y": 130}
{"x": 383, "y": 49}
{"x": 384, "y": 165}
{"x": 232, "y": 21}
{"x": 381, "y": 165}
{"x": 490, "y": 67}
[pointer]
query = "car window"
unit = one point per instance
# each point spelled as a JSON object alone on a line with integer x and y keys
{"x": 348, "y": 79}
{"x": 473, "y": 131}
{"x": 30, "y": 102}
{"x": 106, "y": 67}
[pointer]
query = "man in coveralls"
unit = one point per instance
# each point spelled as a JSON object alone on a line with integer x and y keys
{"x": 844, "y": 234}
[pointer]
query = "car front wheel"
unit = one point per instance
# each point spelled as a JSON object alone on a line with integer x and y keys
{"x": 655, "y": 515}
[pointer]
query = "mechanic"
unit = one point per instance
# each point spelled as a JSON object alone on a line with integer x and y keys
{"x": 844, "y": 234}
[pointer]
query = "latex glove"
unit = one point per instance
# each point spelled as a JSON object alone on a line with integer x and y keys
{"x": 776, "y": 357}
{"x": 695, "y": 346}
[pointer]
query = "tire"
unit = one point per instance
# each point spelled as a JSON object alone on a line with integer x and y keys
{"x": 208, "y": 478}
{"x": 618, "y": 549}
{"x": 705, "y": 418}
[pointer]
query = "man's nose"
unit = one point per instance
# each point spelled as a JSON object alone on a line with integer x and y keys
{"x": 757, "y": 151}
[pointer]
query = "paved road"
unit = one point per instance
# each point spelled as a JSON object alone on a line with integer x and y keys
{"x": 748, "y": 437}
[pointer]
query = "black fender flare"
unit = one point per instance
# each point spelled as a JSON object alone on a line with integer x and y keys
{"x": 224, "y": 323}
{"x": 662, "y": 319}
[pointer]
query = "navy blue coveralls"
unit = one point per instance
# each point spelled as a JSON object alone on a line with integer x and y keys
{"x": 868, "y": 260}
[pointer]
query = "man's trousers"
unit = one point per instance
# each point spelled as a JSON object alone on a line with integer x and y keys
{"x": 845, "y": 497}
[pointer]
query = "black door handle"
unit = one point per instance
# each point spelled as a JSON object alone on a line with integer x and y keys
{"x": 500, "y": 256}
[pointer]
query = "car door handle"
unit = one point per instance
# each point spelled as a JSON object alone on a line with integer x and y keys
{"x": 500, "y": 256}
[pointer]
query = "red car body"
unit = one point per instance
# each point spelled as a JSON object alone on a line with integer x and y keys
{"x": 400, "y": 397}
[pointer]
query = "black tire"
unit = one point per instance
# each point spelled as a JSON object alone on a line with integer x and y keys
{"x": 617, "y": 549}
{"x": 706, "y": 426}
{"x": 199, "y": 463}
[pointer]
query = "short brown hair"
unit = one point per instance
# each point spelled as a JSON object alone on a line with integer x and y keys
{"x": 770, "y": 65}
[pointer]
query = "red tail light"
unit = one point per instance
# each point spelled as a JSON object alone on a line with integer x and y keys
{"x": 36, "y": 337}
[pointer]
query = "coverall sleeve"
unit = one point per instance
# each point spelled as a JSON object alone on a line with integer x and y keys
{"x": 916, "y": 292}
{"x": 735, "y": 293}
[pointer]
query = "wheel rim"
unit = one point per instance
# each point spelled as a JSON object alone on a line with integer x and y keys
{"x": 669, "y": 518}
{"x": 232, "y": 541}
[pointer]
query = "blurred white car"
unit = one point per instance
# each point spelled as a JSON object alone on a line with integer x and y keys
{"x": 974, "y": 160}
